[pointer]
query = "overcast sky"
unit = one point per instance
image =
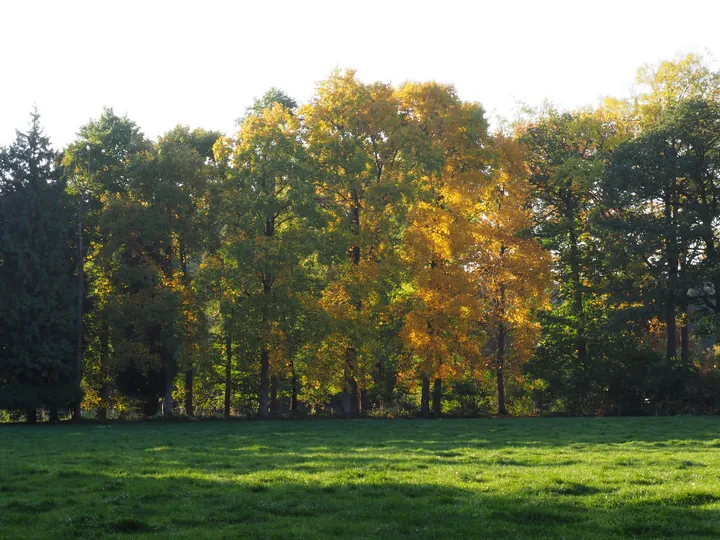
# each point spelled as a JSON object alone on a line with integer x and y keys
{"x": 202, "y": 62}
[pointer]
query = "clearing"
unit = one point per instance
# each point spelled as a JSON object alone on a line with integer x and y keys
{"x": 514, "y": 478}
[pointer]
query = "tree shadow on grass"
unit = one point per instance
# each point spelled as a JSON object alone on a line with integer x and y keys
{"x": 188, "y": 507}
{"x": 356, "y": 448}
{"x": 419, "y": 434}
{"x": 354, "y": 480}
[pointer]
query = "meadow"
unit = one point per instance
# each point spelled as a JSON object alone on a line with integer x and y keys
{"x": 479, "y": 478}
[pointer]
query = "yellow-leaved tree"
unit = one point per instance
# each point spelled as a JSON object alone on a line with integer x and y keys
{"x": 451, "y": 158}
{"x": 510, "y": 269}
{"x": 354, "y": 138}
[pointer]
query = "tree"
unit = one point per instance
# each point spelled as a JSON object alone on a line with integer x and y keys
{"x": 512, "y": 271}
{"x": 268, "y": 100}
{"x": 565, "y": 156}
{"x": 663, "y": 190}
{"x": 687, "y": 78}
{"x": 37, "y": 296}
{"x": 133, "y": 326}
{"x": 451, "y": 143}
{"x": 353, "y": 140}
{"x": 696, "y": 124}
{"x": 182, "y": 169}
{"x": 268, "y": 198}
{"x": 648, "y": 194}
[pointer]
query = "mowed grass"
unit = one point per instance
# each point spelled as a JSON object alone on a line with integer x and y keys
{"x": 515, "y": 478}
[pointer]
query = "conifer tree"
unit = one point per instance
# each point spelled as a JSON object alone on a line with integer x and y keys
{"x": 37, "y": 293}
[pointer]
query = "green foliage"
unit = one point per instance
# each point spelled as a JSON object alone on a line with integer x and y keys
{"x": 268, "y": 100}
{"x": 37, "y": 315}
{"x": 368, "y": 247}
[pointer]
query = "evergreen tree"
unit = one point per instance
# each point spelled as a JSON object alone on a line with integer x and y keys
{"x": 37, "y": 304}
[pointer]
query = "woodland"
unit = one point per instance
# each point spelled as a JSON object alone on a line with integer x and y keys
{"x": 377, "y": 251}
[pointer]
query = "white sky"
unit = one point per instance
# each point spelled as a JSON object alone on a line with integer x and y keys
{"x": 202, "y": 62}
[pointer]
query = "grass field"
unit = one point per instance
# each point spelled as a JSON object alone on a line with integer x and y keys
{"x": 524, "y": 478}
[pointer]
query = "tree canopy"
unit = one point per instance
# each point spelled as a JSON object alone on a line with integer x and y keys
{"x": 376, "y": 250}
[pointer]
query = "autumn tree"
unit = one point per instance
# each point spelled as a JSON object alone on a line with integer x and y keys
{"x": 511, "y": 269}
{"x": 662, "y": 86}
{"x": 451, "y": 154}
{"x": 268, "y": 200}
{"x": 353, "y": 139}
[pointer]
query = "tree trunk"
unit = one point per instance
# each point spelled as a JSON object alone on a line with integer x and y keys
{"x": 501, "y": 370}
{"x": 712, "y": 260}
{"x": 671, "y": 326}
{"x": 77, "y": 413}
{"x": 685, "y": 330}
{"x": 671, "y": 347}
{"x": 293, "y": 389}
{"x": 31, "y": 416}
{"x": 364, "y": 405}
{"x": 54, "y": 415}
{"x": 263, "y": 411}
{"x": 189, "y": 409}
{"x": 390, "y": 382}
{"x": 104, "y": 357}
{"x": 168, "y": 400}
{"x": 378, "y": 384}
{"x": 425, "y": 397}
{"x": 671, "y": 259}
{"x": 580, "y": 342}
{"x": 274, "y": 384}
{"x": 437, "y": 398}
{"x": 716, "y": 298}
{"x": 350, "y": 391}
{"x": 189, "y": 374}
{"x": 350, "y": 394}
{"x": 267, "y": 280}
{"x": 355, "y": 396}
{"x": 501, "y": 352}
{"x": 228, "y": 374}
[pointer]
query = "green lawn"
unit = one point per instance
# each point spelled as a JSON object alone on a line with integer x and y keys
{"x": 523, "y": 478}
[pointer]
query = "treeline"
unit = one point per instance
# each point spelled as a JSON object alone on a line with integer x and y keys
{"x": 376, "y": 251}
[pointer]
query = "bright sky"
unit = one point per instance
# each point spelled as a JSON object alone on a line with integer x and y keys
{"x": 201, "y": 62}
